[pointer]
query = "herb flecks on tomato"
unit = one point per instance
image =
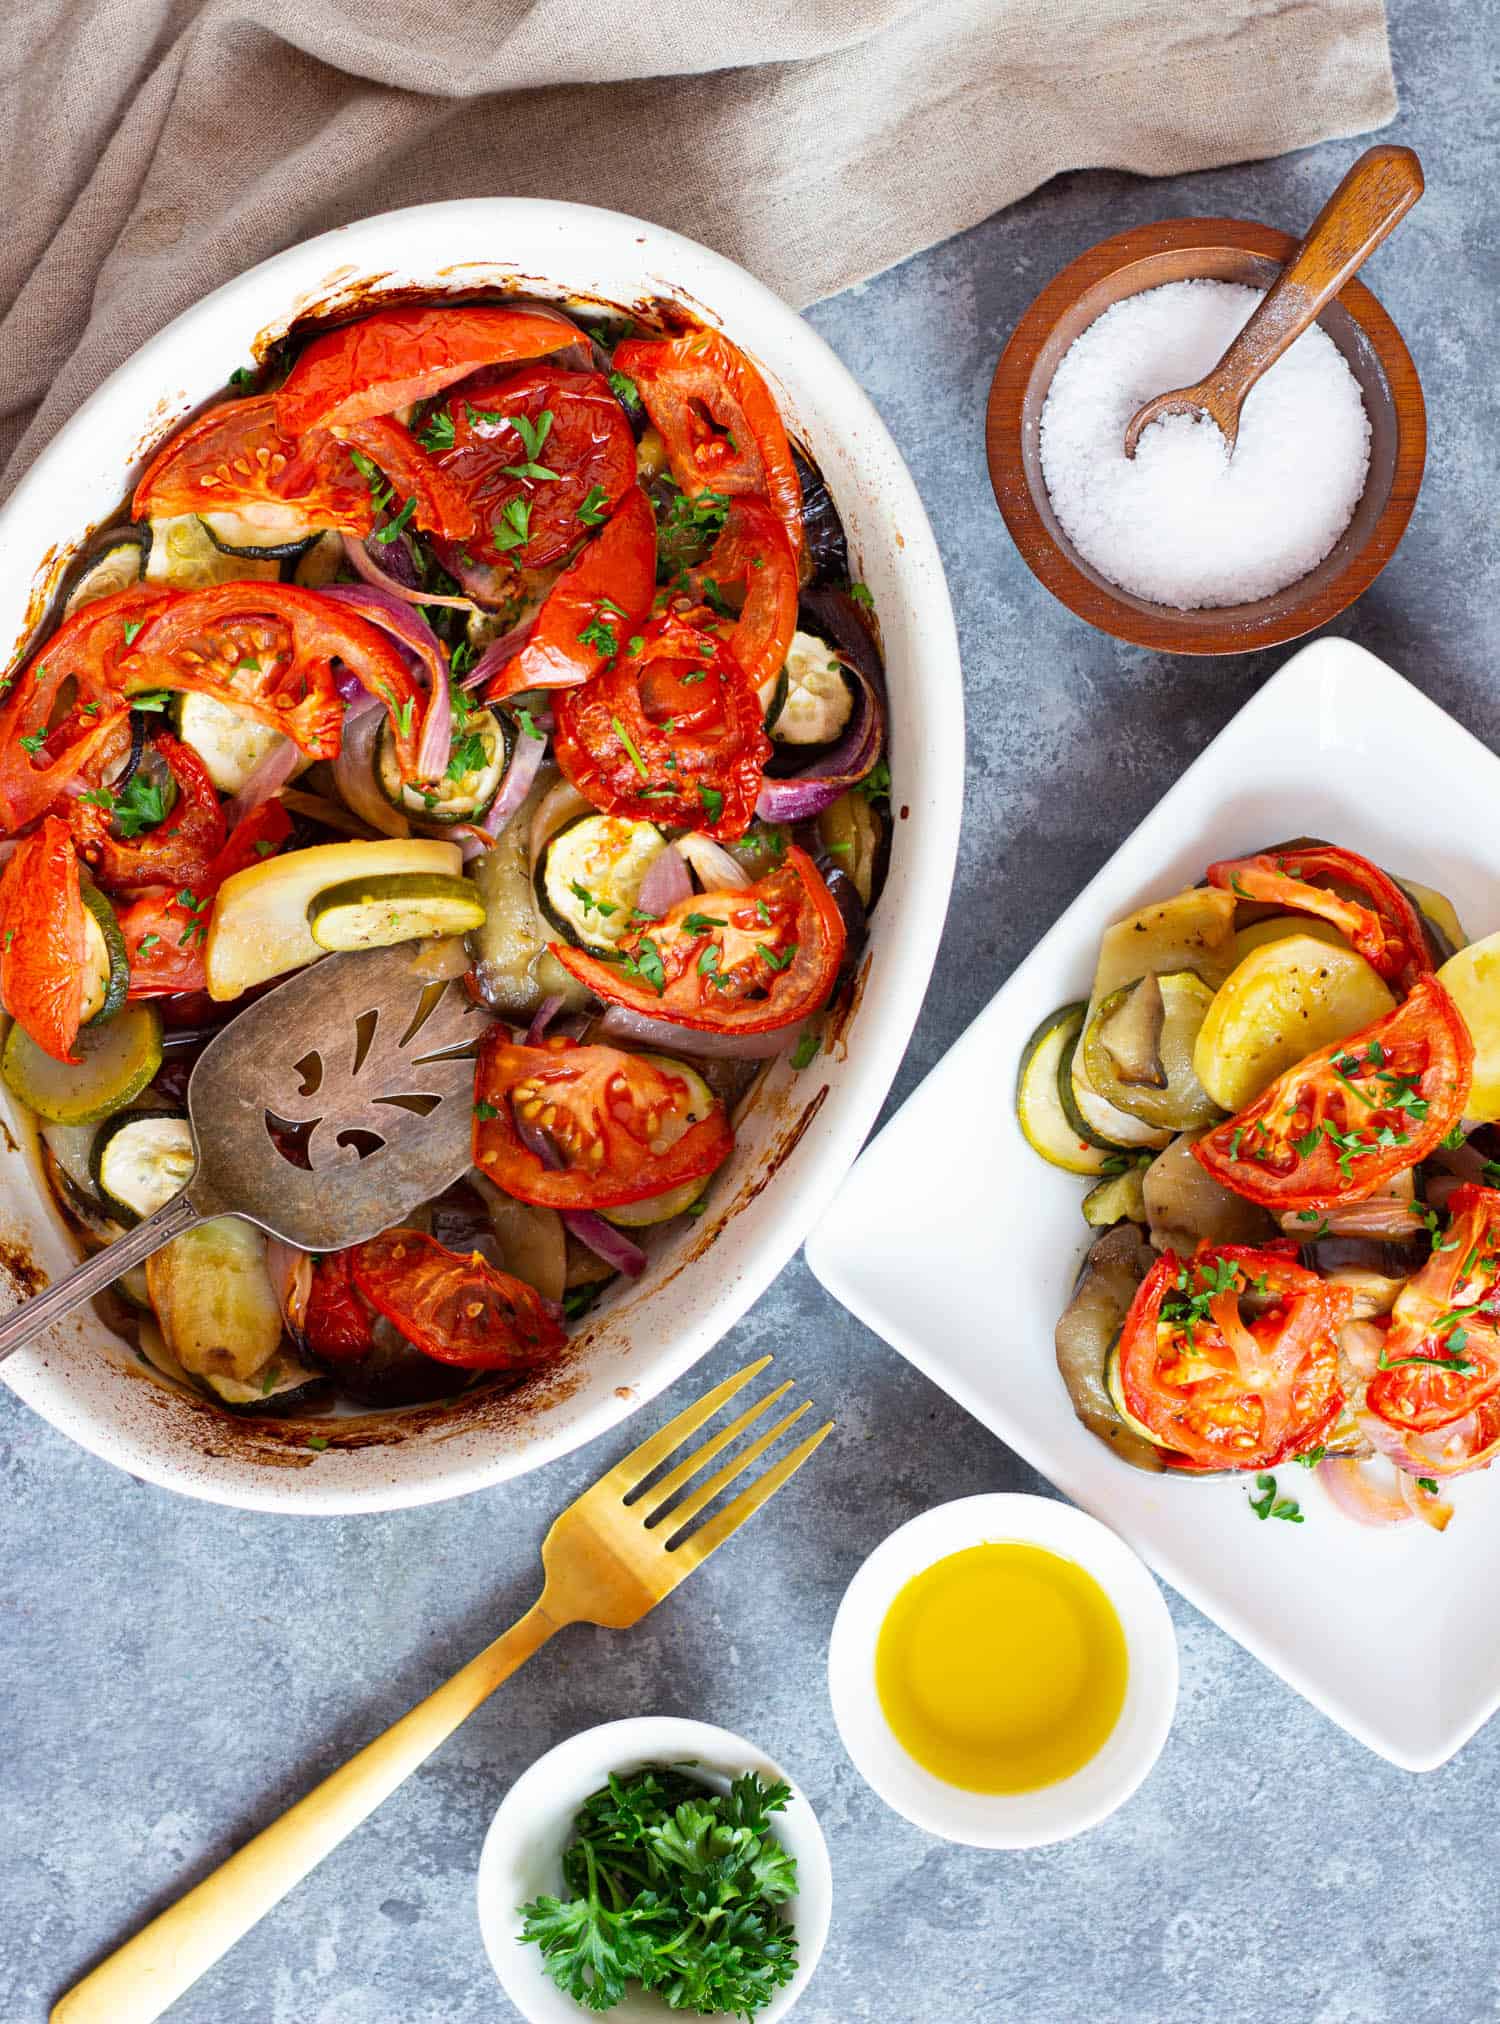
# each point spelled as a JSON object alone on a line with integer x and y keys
{"x": 160, "y": 846}
{"x": 748, "y": 960}
{"x": 619, "y": 1127}
{"x": 670, "y": 732}
{"x": 542, "y": 458}
{"x": 593, "y": 610}
{"x": 751, "y": 571}
{"x": 1230, "y": 1359}
{"x": 394, "y": 357}
{"x": 1339, "y": 1125}
{"x": 718, "y": 419}
{"x": 270, "y": 650}
{"x": 1441, "y": 1357}
{"x": 455, "y": 1309}
{"x": 165, "y": 929}
{"x": 63, "y": 710}
{"x": 1366, "y": 905}
{"x": 43, "y": 939}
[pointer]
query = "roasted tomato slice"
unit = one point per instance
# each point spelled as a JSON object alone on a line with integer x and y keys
{"x": 1337, "y": 1126}
{"x": 64, "y": 709}
{"x": 1357, "y": 897}
{"x": 752, "y": 571}
{"x": 270, "y": 649}
{"x": 542, "y": 458}
{"x": 338, "y": 1321}
{"x": 455, "y": 1309}
{"x": 234, "y": 459}
{"x": 592, "y": 609}
{"x": 165, "y": 929}
{"x": 393, "y": 357}
{"x": 42, "y": 938}
{"x": 716, "y": 415}
{"x": 1470, "y": 1442}
{"x": 573, "y": 1127}
{"x": 158, "y": 846}
{"x": 406, "y": 481}
{"x": 1442, "y": 1350}
{"x": 671, "y": 732}
{"x": 1217, "y": 1386}
{"x": 748, "y": 960}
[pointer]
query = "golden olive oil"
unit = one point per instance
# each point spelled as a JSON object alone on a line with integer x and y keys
{"x": 1001, "y": 1668}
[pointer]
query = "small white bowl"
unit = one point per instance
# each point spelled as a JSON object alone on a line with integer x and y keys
{"x": 1005, "y": 1819}
{"x": 522, "y": 1855}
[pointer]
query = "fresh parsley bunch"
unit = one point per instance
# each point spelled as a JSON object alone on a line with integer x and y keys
{"x": 676, "y": 1888}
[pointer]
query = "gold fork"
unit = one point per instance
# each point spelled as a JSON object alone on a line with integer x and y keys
{"x": 605, "y": 1561}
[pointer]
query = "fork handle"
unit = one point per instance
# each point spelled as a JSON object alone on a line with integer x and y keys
{"x": 142, "y": 1978}
{"x": 102, "y": 1269}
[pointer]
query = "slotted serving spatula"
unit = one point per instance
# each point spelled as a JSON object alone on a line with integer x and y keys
{"x": 358, "y": 1065}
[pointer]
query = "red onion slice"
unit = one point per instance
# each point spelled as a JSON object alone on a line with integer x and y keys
{"x": 1432, "y": 1509}
{"x": 808, "y": 793}
{"x": 354, "y": 775}
{"x": 620, "y": 1023}
{"x": 666, "y": 882}
{"x": 385, "y": 609}
{"x": 361, "y": 560}
{"x": 606, "y": 1241}
{"x": 717, "y": 870}
{"x": 541, "y": 1019}
{"x": 1361, "y": 1496}
{"x": 269, "y": 775}
{"x": 525, "y": 764}
{"x": 498, "y": 654}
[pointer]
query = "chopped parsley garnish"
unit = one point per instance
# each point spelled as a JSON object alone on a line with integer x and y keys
{"x": 469, "y": 755}
{"x": 626, "y": 392}
{"x": 806, "y": 1050}
{"x": 33, "y": 743}
{"x": 699, "y": 924}
{"x": 147, "y": 943}
{"x": 713, "y": 802}
{"x": 598, "y": 635}
{"x": 132, "y": 627}
{"x": 387, "y": 534}
{"x": 1429, "y": 1484}
{"x": 151, "y": 699}
{"x": 782, "y": 961}
{"x": 438, "y": 434}
{"x": 514, "y": 530}
{"x": 485, "y": 1111}
{"x": 243, "y": 378}
{"x": 860, "y": 592}
{"x": 1269, "y": 1505}
{"x": 527, "y": 724}
{"x": 629, "y": 743}
{"x": 876, "y": 785}
{"x": 591, "y": 905}
{"x": 1310, "y": 1457}
{"x": 592, "y": 512}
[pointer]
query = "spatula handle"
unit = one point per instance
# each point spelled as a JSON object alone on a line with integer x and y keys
{"x": 95, "y": 1273}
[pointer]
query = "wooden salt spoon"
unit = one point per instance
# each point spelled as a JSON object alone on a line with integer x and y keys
{"x": 1365, "y": 209}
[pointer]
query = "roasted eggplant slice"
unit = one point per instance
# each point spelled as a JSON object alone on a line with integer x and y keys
{"x": 1086, "y": 1334}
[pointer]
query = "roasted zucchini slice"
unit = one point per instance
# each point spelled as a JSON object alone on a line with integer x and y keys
{"x": 1120, "y": 1198}
{"x": 1039, "y": 1109}
{"x": 117, "y": 1059}
{"x": 1138, "y": 1050}
{"x": 232, "y": 535}
{"x": 118, "y": 563}
{"x": 817, "y": 695}
{"x": 481, "y": 753}
{"x": 319, "y": 563}
{"x": 141, "y": 1159}
{"x": 215, "y": 1302}
{"x": 184, "y": 555}
{"x": 372, "y": 913}
{"x": 230, "y": 744}
{"x": 1283, "y": 1002}
{"x": 589, "y": 878}
{"x": 106, "y": 967}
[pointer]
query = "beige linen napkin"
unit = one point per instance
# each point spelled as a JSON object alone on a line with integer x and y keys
{"x": 154, "y": 148}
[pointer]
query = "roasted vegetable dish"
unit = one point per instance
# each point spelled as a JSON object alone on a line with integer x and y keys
{"x": 529, "y": 639}
{"x": 1284, "y": 1089}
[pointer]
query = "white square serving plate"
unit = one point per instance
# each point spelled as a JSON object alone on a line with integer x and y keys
{"x": 1395, "y": 1634}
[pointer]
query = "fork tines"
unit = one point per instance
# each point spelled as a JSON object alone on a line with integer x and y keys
{"x": 635, "y": 1477}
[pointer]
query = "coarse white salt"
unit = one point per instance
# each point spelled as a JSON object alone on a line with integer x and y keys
{"x": 1185, "y": 524}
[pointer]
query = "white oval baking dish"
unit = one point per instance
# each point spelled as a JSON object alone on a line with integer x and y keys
{"x": 802, "y": 1132}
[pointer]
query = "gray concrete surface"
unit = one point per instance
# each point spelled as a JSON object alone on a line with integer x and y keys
{"x": 174, "y": 1675}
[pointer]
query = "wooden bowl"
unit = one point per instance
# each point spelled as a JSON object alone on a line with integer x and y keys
{"x": 1188, "y": 249}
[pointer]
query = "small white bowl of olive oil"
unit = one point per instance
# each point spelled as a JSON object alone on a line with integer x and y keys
{"x": 1003, "y": 1671}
